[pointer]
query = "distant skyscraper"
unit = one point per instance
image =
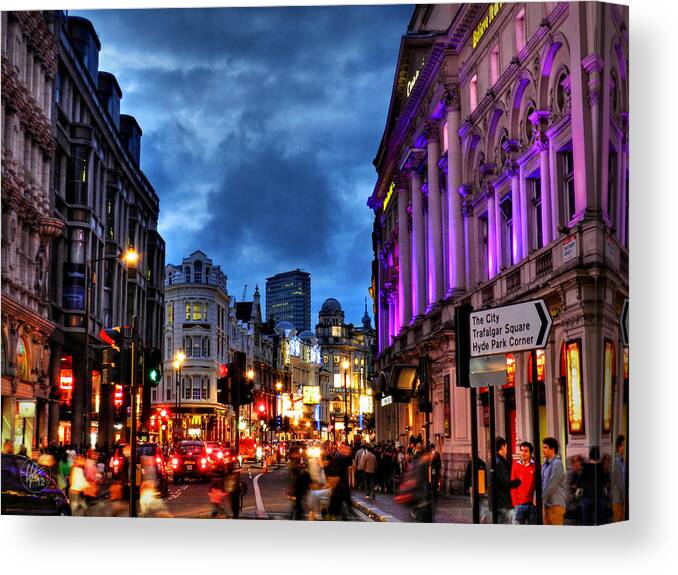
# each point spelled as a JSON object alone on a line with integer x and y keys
{"x": 288, "y": 298}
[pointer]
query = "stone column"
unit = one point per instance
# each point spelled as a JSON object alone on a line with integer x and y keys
{"x": 455, "y": 232}
{"x": 540, "y": 121}
{"x": 405, "y": 274}
{"x": 492, "y": 256}
{"x": 435, "y": 238}
{"x": 417, "y": 252}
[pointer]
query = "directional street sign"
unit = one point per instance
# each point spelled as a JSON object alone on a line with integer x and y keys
{"x": 512, "y": 328}
{"x": 624, "y": 322}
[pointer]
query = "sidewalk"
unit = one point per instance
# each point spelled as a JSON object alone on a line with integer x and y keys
{"x": 447, "y": 509}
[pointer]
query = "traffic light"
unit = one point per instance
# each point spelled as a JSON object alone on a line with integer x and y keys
{"x": 112, "y": 356}
{"x": 261, "y": 410}
{"x": 423, "y": 400}
{"x": 152, "y": 367}
{"x": 225, "y": 384}
{"x": 246, "y": 392}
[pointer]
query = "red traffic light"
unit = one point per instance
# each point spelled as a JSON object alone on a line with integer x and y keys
{"x": 261, "y": 408}
{"x": 163, "y": 413}
{"x": 223, "y": 370}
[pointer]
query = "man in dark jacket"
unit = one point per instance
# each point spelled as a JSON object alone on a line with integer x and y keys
{"x": 502, "y": 483}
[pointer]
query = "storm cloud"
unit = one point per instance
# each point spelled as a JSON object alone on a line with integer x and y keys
{"x": 260, "y": 126}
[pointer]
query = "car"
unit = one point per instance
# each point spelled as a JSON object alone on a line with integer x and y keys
{"x": 30, "y": 489}
{"x": 190, "y": 459}
{"x": 219, "y": 455}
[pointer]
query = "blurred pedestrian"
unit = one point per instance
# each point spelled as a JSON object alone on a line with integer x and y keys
{"x": 436, "y": 467}
{"x": 553, "y": 483}
{"x": 522, "y": 495}
{"x": 7, "y": 448}
{"x": 369, "y": 464}
{"x": 618, "y": 495}
{"x": 300, "y": 482}
{"x": 22, "y": 450}
{"x": 359, "y": 467}
{"x": 503, "y": 483}
{"x": 63, "y": 471}
{"x": 574, "y": 490}
{"x": 78, "y": 486}
{"x": 594, "y": 485}
{"x": 233, "y": 488}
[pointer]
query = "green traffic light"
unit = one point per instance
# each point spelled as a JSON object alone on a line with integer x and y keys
{"x": 153, "y": 375}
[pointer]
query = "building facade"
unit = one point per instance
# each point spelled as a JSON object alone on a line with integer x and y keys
{"x": 200, "y": 324}
{"x": 109, "y": 207}
{"x": 503, "y": 178}
{"x": 347, "y": 354}
{"x": 29, "y": 67}
{"x": 87, "y": 202}
{"x": 288, "y": 298}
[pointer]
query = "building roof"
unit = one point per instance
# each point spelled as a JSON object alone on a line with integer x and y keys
{"x": 330, "y": 305}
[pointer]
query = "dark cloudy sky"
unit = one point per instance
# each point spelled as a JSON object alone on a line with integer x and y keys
{"x": 259, "y": 130}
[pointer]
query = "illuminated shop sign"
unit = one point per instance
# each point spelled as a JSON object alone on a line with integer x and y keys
{"x": 484, "y": 24}
{"x": 311, "y": 394}
{"x": 608, "y": 377}
{"x": 366, "y": 404}
{"x": 413, "y": 80}
{"x": 575, "y": 393}
{"x": 387, "y": 199}
{"x": 295, "y": 347}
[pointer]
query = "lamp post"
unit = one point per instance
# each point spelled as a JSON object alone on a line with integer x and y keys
{"x": 345, "y": 364}
{"x": 129, "y": 258}
{"x": 178, "y": 362}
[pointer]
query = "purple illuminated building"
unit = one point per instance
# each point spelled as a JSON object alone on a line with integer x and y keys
{"x": 503, "y": 178}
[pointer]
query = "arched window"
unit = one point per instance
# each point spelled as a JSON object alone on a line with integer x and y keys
{"x": 187, "y": 274}
{"x": 21, "y": 359}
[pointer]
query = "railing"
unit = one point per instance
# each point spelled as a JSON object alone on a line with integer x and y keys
{"x": 544, "y": 263}
{"x": 488, "y": 294}
{"x": 513, "y": 280}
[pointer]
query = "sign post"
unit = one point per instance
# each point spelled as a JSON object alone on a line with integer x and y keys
{"x": 519, "y": 327}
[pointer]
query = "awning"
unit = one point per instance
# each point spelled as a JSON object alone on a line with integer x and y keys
{"x": 402, "y": 382}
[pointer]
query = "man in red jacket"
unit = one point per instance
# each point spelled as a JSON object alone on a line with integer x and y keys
{"x": 522, "y": 496}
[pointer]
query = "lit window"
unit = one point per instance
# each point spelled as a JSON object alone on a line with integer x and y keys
{"x": 567, "y": 186}
{"x": 21, "y": 359}
{"x": 494, "y": 64}
{"x": 197, "y": 311}
{"x": 170, "y": 312}
{"x": 336, "y": 359}
{"x": 188, "y": 311}
{"x": 336, "y": 331}
{"x": 473, "y": 92}
{"x": 520, "y": 30}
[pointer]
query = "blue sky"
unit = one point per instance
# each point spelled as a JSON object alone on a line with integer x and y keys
{"x": 259, "y": 130}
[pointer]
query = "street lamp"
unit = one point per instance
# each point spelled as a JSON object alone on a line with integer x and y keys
{"x": 345, "y": 364}
{"x": 178, "y": 362}
{"x": 130, "y": 259}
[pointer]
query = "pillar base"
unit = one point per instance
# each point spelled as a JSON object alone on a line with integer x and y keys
{"x": 454, "y": 293}
{"x": 432, "y": 307}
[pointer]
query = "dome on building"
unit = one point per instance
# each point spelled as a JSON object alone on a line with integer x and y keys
{"x": 284, "y": 328}
{"x": 330, "y": 305}
{"x": 307, "y": 334}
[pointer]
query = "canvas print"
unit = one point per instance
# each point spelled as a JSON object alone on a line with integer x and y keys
{"x": 359, "y": 263}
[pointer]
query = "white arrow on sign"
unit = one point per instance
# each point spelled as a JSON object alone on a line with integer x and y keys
{"x": 512, "y": 328}
{"x": 624, "y": 322}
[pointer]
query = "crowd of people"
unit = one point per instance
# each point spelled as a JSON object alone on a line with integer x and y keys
{"x": 592, "y": 492}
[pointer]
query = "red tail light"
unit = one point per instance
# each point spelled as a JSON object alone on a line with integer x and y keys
{"x": 116, "y": 462}
{"x": 220, "y": 455}
{"x": 203, "y": 462}
{"x": 158, "y": 460}
{"x": 175, "y": 462}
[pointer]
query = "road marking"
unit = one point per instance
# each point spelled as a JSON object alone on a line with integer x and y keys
{"x": 261, "y": 511}
{"x": 174, "y": 494}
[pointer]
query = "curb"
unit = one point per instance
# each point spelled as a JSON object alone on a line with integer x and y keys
{"x": 373, "y": 512}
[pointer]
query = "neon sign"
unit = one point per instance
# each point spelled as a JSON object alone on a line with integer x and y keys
{"x": 484, "y": 24}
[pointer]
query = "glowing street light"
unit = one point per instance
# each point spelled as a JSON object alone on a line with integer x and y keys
{"x": 131, "y": 257}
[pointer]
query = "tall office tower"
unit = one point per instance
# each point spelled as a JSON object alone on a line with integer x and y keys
{"x": 288, "y": 298}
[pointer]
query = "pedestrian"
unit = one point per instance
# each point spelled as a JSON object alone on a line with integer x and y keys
{"x": 22, "y": 450}
{"x": 553, "y": 483}
{"x": 217, "y": 492}
{"x": 63, "y": 472}
{"x": 78, "y": 486}
{"x": 436, "y": 466}
{"x": 7, "y": 448}
{"x": 619, "y": 480}
{"x": 522, "y": 496}
{"x": 594, "y": 485}
{"x": 369, "y": 461}
{"x": 422, "y": 511}
{"x": 503, "y": 483}
{"x": 359, "y": 466}
{"x": 574, "y": 490}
